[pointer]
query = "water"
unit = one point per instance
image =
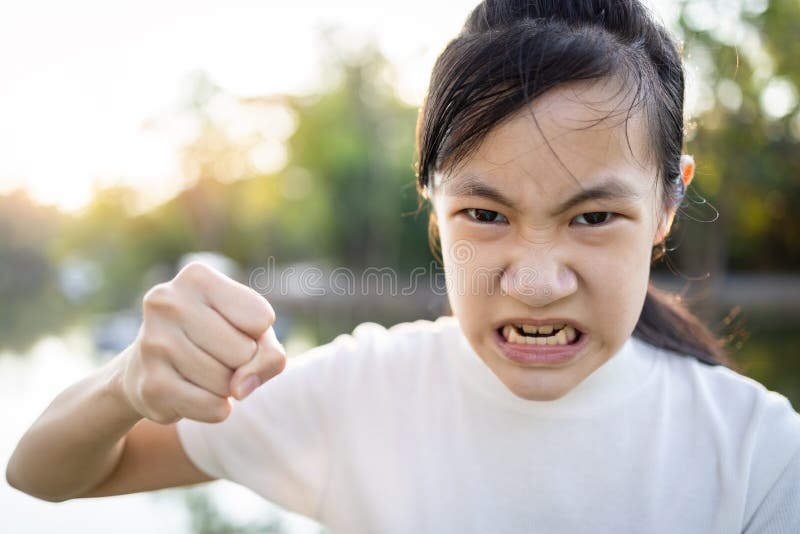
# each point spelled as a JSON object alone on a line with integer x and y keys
{"x": 27, "y": 385}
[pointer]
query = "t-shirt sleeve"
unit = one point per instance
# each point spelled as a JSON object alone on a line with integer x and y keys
{"x": 779, "y": 512}
{"x": 773, "y": 500}
{"x": 276, "y": 441}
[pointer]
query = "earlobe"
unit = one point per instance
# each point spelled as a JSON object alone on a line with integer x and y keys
{"x": 687, "y": 167}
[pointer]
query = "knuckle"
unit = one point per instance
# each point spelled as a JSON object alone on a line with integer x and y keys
{"x": 159, "y": 297}
{"x": 262, "y": 315}
{"x": 194, "y": 272}
{"x": 154, "y": 344}
{"x": 274, "y": 363}
{"x": 280, "y": 364}
{"x": 268, "y": 313}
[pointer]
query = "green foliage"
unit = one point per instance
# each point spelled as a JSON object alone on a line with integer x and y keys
{"x": 357, "y": 142}
{"x": 748, "y": 166}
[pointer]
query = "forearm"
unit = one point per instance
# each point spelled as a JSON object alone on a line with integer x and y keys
{"x": 76, "y": 442}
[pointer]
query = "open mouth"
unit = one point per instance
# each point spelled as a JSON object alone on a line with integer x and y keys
{"x": 552, "y": 334}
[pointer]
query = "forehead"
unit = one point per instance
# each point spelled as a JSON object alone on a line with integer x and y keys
{"x": 582, "y": 131}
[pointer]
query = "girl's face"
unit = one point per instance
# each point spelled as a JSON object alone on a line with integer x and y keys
{"x": 551, "y": 227}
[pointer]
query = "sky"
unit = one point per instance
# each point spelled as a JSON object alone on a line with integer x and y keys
{"x": 81, "y": 81}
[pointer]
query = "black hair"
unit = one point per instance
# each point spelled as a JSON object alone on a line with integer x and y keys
{"x": 509, "y": 52}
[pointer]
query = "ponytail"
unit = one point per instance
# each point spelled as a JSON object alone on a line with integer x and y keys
{"x": 666, "y": 323}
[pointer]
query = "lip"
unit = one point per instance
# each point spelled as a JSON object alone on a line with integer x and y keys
{"x": 540, "y": 354}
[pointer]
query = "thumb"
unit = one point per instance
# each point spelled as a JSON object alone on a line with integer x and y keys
{"x": 268, "y": 360}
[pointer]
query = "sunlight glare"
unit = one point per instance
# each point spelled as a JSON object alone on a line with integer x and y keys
{"x": 101, "y": 100}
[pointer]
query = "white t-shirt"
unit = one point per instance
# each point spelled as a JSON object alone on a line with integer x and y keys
{"x": 405, "y": 430}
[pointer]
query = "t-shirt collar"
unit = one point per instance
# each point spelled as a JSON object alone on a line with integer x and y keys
{"x": 619, "y": 378}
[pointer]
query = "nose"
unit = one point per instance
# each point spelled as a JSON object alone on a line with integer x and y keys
{"x": 540, "y": 277}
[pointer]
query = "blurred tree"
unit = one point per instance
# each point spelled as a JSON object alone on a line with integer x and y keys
{"x": 357, "y": 144}
{"x": 31, "y": 301}
{"x": 745, "y": 61}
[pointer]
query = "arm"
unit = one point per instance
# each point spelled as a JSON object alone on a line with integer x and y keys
{"x": 91, "y": 443}
{"x": 152, "y": 459}
{"x": 75, "y": 443}
{"x": 203, "y": 338}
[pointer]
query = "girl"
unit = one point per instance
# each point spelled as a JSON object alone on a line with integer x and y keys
{"x": 564, "y": 395}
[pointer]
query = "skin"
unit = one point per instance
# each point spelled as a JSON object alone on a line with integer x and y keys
{"x": 523, "y": 260}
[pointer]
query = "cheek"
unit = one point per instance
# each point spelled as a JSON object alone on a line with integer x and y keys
{"x": 472, "y": 271}
{"x": 621, "y": 260}
{"x": 471, "y": 259}
{"x": 617, "y": 283}
{"x": 468, "y": 278}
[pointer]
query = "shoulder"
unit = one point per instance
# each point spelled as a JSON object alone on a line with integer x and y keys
{"x": 751, "y": 426}
{"x": 725, "y": 391}
{"x": 723, "y": 394}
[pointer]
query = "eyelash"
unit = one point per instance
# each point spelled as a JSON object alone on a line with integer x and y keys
{"x": 472, "y": 213}
{"x": 610, "y": 217}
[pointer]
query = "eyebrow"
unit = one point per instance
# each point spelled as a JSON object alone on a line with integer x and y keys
{"x": 471, "y": 186}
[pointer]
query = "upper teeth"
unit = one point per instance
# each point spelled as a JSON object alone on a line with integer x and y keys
{"x": 544, "y": 329}
{"x": 565, "y": 334}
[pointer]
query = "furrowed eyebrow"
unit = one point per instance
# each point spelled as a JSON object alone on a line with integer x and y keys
{"x": 611, "y": 189}
{"x": 473, "y": 187}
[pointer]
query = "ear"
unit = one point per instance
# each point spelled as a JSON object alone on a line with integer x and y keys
{"x": 687, "y": 175}
{"x": 687, "y": 170}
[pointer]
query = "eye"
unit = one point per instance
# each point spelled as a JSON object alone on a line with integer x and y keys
{"x": 594, "y": 218}
{"x": 486, "y": 216}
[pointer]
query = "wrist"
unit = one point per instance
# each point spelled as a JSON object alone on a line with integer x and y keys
{"x": 113, "y": 387}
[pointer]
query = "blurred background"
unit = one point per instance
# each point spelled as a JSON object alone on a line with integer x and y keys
{"x": 273, "y": 140}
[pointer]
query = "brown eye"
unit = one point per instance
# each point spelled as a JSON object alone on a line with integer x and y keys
{"x": 486, "y": 216}
{"x": 594, "y": 218}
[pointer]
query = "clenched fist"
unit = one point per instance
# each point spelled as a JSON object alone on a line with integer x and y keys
{"x": 204, "y": 337}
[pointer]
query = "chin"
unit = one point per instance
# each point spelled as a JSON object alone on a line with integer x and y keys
{"x": 534, "y": 383}
{"x": 539, "y": 391}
